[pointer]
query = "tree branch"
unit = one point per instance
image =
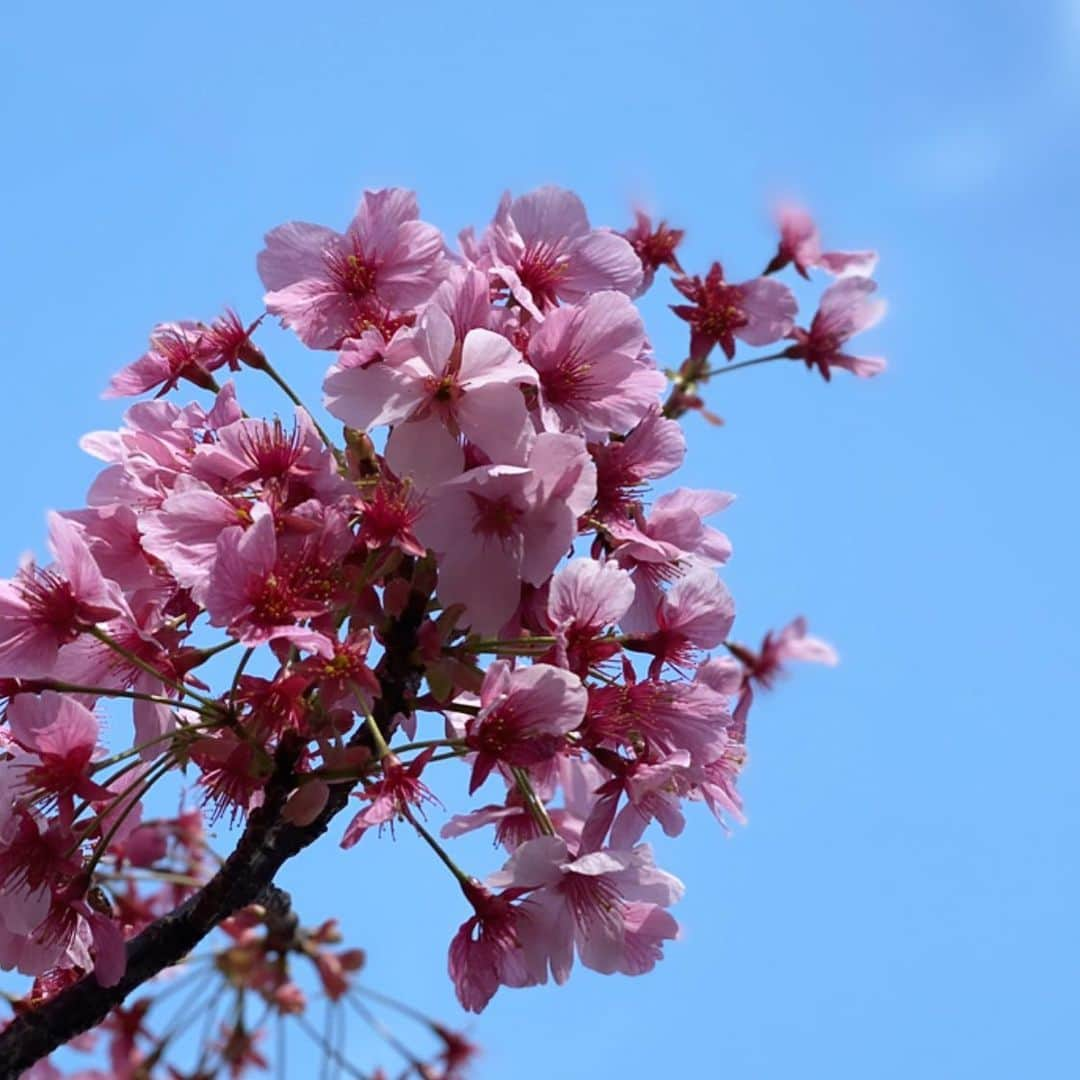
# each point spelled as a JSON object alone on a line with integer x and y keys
{"x": 268, "y": 841}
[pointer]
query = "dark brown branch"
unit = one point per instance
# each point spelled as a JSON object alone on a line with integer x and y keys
{"x": 244, "y": 878}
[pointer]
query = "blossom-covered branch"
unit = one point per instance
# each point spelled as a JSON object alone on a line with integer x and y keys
{"x": 476, "y": 548}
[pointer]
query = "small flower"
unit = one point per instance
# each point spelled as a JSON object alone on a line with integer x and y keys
{"x": 391, "y": 797}
{"x": 800, "y": 244}
{"x": 845, "y": 310}
{"x": 654, "y": 246}
{"x": 757, "y": 311}
{"x": 524, "y": 715}
{"x": 42, "y": 609}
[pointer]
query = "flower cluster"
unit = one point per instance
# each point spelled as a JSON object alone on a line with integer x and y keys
{"x": 503, "y": 416}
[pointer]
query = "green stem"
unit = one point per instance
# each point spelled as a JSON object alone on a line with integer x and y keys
{"x": 745, "y": 364}
{"x": 462, "y": 877}
{"x": 104, "y": 691}
{"x": 535, "y": 806}
{"x": 142, "y": 665}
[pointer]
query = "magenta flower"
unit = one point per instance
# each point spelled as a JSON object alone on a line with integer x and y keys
{"x": 329, "y": 286}
{"x": 606, "y": 905}
{"x": 654, "y": 246}
{"x": 486, "y": 951}
{"x": 525, "y": 713}
{"x": 595, "y": 373}
{"x": 542, "y": 246}
{"x": 845, "y": 310}
{"x": 60, "y": 737}
{"x": 42, "y": 609}
{"x": 496, "y": 526}
{"x": 800, "y": 244}
{"x": 660, "y": 719}
{"x": 757, "y": 311}
{"x": 391, "y": 796}
{"x": 260, "y": 596}
{"x": 471, "y": 388}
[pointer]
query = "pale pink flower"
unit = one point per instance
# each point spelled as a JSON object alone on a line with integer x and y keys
{"x": 586, "y": 596}
{"x": 757, "y": 311}
{"x": 42, "y": 609}
{"x": 697, "y": 612}
{"x": 790, "y": 643}
{"x": 663, "y": 546}
{"x": 329, "y": 286}
{"x": 655, "y": 448}
{"x": 653, "y": 791}
{"x": 595, "y": 373}
{"x": 182, "y": 533}
{"x": 472, "y": 388}
{"x": 607, "y": 905}
{"x": 178, "y": 351}
{"x": 845, "y": 310}
{"x": 525, "y": 714}
{"x": 800, "y": 244}
{"x": 496, "y": 526}
{"x": 186, "y": 351}
{"x": 60, "y": 737}
{"x": 543, "y": 248}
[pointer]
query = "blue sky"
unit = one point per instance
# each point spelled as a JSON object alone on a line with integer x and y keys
{"x": 903, "y": 900}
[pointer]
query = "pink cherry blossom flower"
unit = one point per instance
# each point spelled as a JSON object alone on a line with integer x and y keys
{"x": 585, "y": 597}
{"x": 672, "y": 540}
{"x": 655, "y": 448}
{"x": 659, "y": 718}
{"x": 61, "y": 738}
{"x": 495, "y": 526}
{"x": 594, "y": 373}
{"x": 178, "y": 352}
{"x": 542, "y": 246}
{"x": 653, "y": 791}
{"x": 654, "y": 246}
{"x": 524, "y": 715}
{"x": 845, "y": 310}
{"x": 187, "y": 351}
{"x": 329, "y": 286}
{"x": 392, "y": 796}
{"x": 800, "y": 244}
{"x": 472, "y": 388}
{"x": 791, "y": 643}
{"x": 697, "y": 612}
{"x": 286, "y": 466}
{"x": 757, "y": 311}
{"x": 42, "y": 609}
{"x": 486, "y": 953}
{"x": 260, "y": 596}
{"x": 606, "y": 905}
